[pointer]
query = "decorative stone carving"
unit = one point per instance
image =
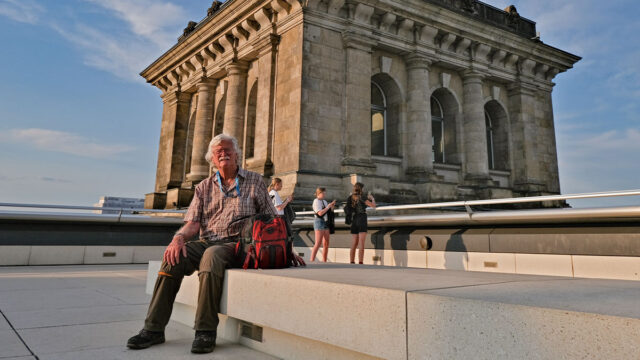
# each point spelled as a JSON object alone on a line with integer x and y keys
{"x": 526, "y": 67}
{"x": 463, "y": 45}
{"x": 386, "y": 21}
{"x": 405, "y": 29}
{"x": 362, "y": 13}
{"x": 281, "y": 6}
{"x": 481, "y": 52}
{"x": 428, "y": 34}
{"x": 385, "y": 64}
{"x": 512, "y": 15}
{"x": 263, "y": 17}
{"x": 495, "y": 93}
{"x": 189, "y": 29}
{"x": 445, "y": 80}
{"x": 227, "y": 42}
{"x": 541, "y": 71}
{"x": 498, "y": 57}
{"x": 335, "y": 6}
{"x": 511, "y": 61}
{"x": 215, "y": 6}
{"x": 469, "y": 6}
{"x": 446, "y": 41}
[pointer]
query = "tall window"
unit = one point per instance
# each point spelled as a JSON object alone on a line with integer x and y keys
{"x": 378, "y": 121}
{"x": 437, "y": 131}
{"x": 490, "y": 153}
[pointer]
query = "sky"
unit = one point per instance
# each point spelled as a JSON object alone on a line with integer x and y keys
{"x": 77, "y": 122}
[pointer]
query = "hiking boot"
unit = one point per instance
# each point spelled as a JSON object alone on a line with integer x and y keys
{"x": 145, "y": 338}
{"x": 204, "y": 342}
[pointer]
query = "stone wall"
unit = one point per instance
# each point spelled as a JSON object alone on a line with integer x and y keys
{"x": 293, "y": 81}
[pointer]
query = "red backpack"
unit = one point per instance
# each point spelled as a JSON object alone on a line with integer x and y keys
{"x": 270, "y": 246}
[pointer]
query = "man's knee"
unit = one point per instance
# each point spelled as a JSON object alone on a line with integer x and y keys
{"x": 176, "y": 271}
{"x": 215, "y": 260}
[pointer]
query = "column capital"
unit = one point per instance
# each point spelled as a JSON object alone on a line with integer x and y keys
{"x": 175, "y": 96}
{"x": 417, "y": 60}
{"x": 206, "y": 84}
{"x": 472, "y": 76}
{"x": 521, "y": 88}
{"x": 357, "y": 41}
{"x": 237, "y": 68}
{"x": 267, "y": 44}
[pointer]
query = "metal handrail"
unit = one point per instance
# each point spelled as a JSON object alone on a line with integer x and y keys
{"x": 74, "y": 207}
{"x": 467, "y": 204}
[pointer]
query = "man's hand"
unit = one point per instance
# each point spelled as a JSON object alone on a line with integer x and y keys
{"x": 172, "y": 253}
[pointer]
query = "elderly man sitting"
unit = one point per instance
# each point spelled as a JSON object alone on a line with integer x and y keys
{"x": 230, "y": 194}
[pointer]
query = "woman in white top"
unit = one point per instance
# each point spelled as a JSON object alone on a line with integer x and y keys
{"x": 274, "y": 187}
{"x": 320, "y": 207}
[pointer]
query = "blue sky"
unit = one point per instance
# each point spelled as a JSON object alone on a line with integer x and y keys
{"x": 77, "y": 121}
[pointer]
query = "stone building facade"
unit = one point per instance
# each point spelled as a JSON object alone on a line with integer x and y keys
{"x": 421, "y": 100}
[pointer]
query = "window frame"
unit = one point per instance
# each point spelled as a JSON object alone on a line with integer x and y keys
{"x": 383, "y": 110}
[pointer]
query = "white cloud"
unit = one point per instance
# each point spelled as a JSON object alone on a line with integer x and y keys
{"x": 124, "y": 57}
{"x": 26, "y": 11}
{"x": 148, "y": 19}
{"x": 145, "y": 29}
{"x": 64, "y": 142}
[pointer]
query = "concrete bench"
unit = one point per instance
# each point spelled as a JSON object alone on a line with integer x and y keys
{"x": 347, "y": 311}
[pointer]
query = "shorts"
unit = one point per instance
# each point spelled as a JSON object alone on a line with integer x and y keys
{"x": 319, "y": 224}
{"x": 359, "y": 223}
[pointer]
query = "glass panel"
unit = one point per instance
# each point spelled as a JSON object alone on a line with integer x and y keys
{"x": 377, "y": 133}
{"x": 436, "y": 110}
{"x": 437, "y": 140}
{"x": 377, "y": 98}
{"x": 487, "y": 120}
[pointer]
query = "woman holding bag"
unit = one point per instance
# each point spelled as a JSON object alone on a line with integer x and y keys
{"x": 320, "y": 226}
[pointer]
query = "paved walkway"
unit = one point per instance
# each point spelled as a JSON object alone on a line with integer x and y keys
{"x": 86, "y": 312}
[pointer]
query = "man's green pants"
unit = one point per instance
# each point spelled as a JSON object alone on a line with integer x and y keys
{"x": 210, "y": 260}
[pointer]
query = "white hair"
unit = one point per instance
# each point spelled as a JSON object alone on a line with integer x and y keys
{"x": 217, "y": 140}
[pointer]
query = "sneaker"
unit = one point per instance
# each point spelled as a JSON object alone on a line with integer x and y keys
{"x": 145, "y": 338}
{"x": 204, "y": 342}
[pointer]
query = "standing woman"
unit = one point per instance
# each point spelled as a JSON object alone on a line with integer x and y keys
{"x": 358, "y": 207}
{"x": 274, "y": 187}
{"x": 320, "y": 207}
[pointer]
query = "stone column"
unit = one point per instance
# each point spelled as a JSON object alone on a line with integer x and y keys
{"x": 173, "y": 138}
{"x": 475, "y": 131}
{"x": 357, "y": 135}
{"x": 262, "y": 160}
{"x": 526, "y": 169}
{"x": 236, "y": 99}
{"x": 202, "y": 132}
{"x": 419, "y": 145}
{"x": 171, "y": 152}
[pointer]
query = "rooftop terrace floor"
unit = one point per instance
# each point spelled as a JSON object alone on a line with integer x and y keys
{"x": 86, "y": 312}
{"x": 89, "y": 311}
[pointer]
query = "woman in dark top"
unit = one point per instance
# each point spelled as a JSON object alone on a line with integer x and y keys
{"x": 357, "y": 207}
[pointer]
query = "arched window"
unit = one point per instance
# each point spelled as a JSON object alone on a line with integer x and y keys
{"x": 497, "y": 136}
{"x": 250, "y": 127}
{"x": 489, "y": 126}
{"x": 378, "y": 121}
{"x": 437, "y": 131}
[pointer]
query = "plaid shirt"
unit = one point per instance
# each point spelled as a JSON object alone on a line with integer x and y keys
{"x": 215, "y": 209}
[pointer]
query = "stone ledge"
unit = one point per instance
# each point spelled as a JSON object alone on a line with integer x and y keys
{"x": 398, "y": 313}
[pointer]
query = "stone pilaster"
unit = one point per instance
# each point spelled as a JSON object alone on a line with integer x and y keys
{"x": 475, "y": 131}
{"x": 173, "y": 137}
{"x": 526, "y": 167}
{"x": 236, "y": 99}
{"x": 358, "y": 106}
{"x": 262, "y": 159}
{"x": 419, "y": 146}
{"x": 202, "y": 132}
